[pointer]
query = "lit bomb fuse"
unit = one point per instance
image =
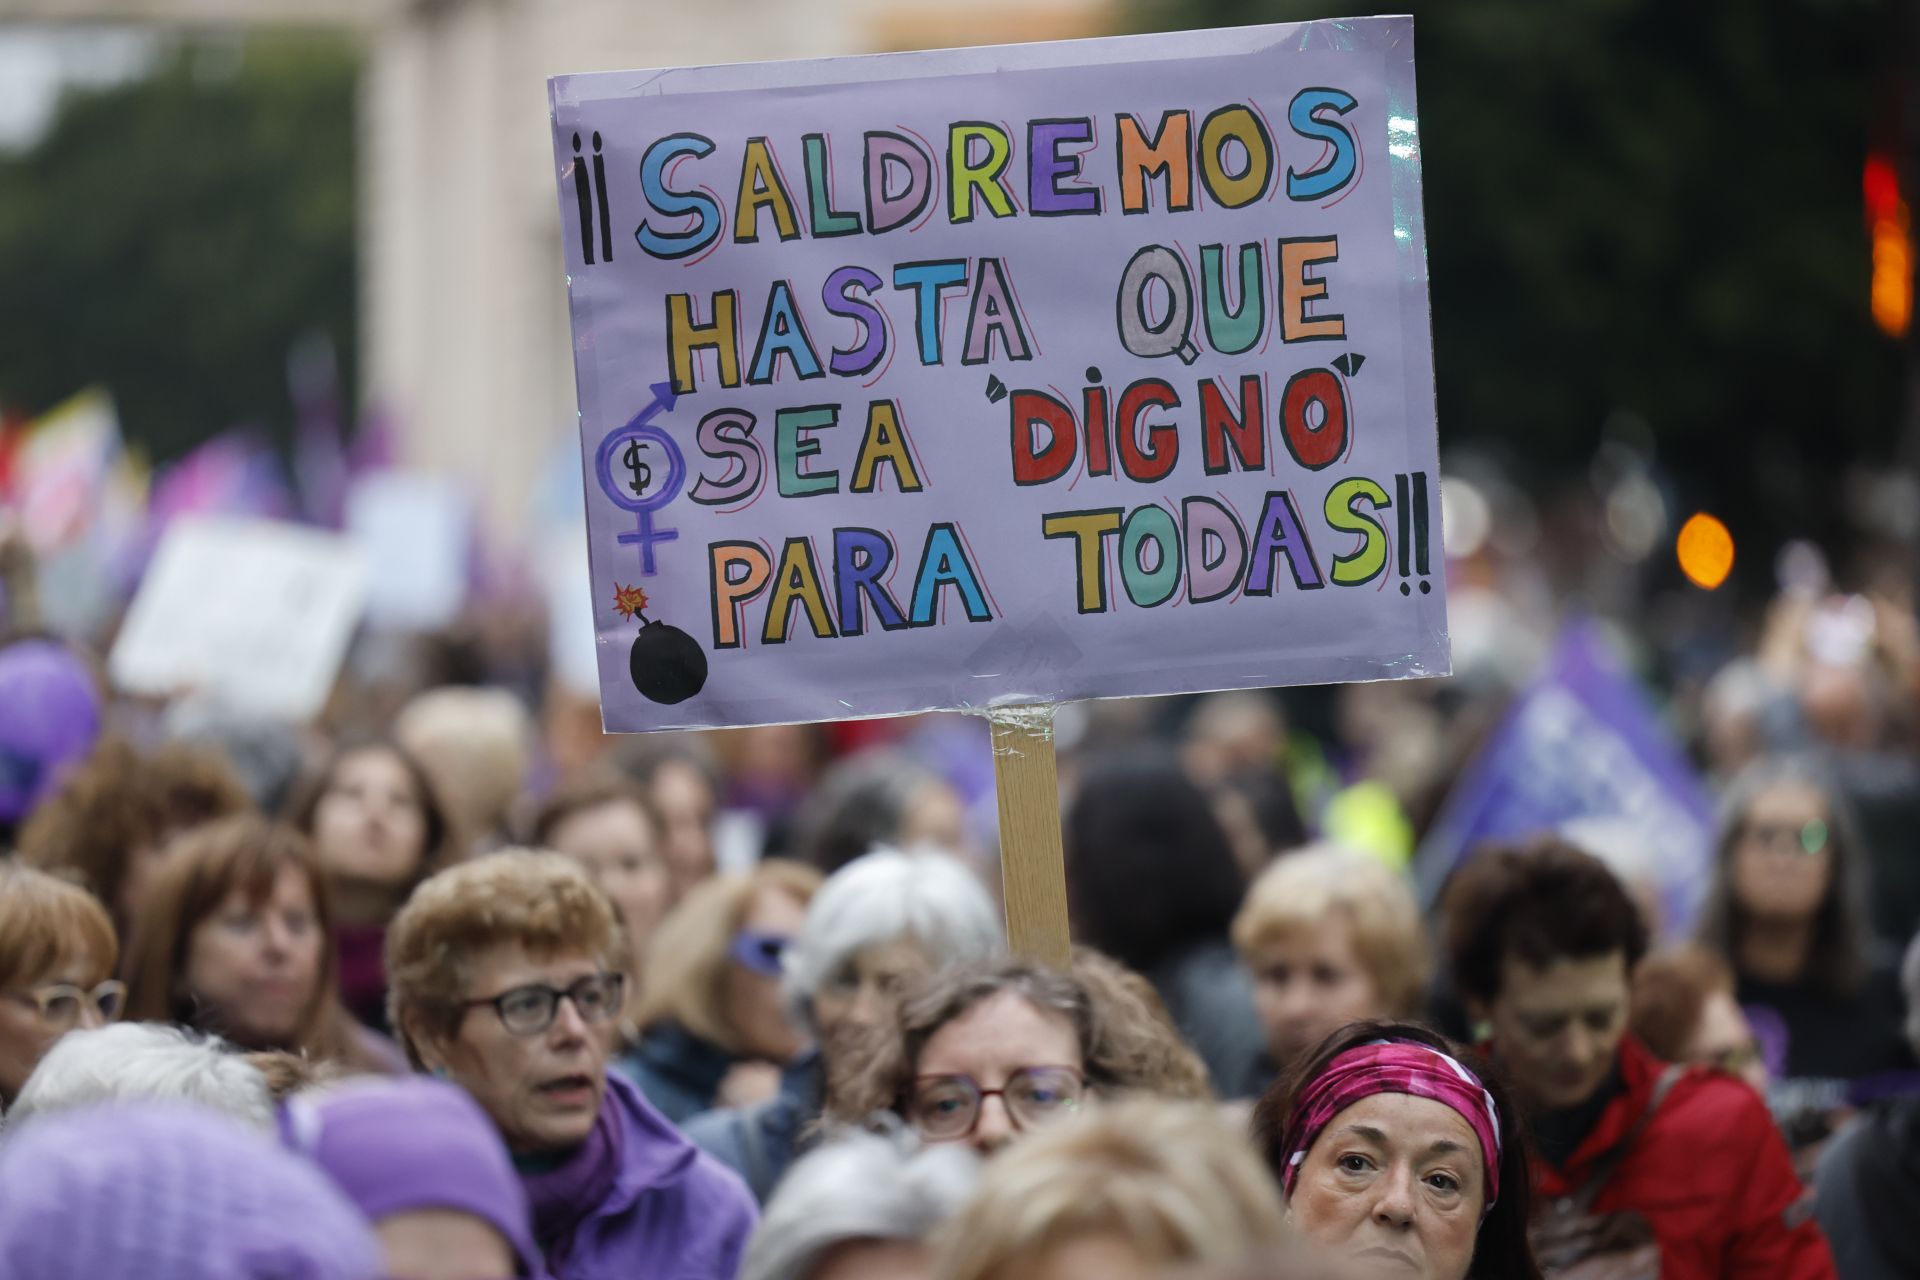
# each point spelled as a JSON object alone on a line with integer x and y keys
{"x": 667, "y": 664}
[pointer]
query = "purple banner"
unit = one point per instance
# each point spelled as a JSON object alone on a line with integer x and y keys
{"x": 1581, "y": 751}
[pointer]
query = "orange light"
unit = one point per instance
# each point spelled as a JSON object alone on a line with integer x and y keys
{"x": 1890, "y": 228}
{"x": 1705, "y": 549}
{"x": 1893, "y": 273}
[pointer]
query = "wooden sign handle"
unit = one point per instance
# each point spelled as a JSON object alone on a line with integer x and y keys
{"x": 1033, "y": 871}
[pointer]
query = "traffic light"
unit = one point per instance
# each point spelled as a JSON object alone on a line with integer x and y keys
{"x": 1890, "y": 229}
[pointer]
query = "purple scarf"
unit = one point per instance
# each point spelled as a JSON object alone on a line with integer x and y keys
{"x": 566, "y": 1194}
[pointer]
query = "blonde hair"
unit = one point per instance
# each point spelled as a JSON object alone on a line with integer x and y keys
{"x": 1169, "y": 1178}
{"x": 475, "y": 744}
{"x": 543, "y": 902}
{"x": 687, "y": 956}
{"x": 44, "y": 922}
{"x": 1300, "y": 891}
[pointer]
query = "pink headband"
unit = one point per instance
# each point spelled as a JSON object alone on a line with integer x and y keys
{"x": 1392, "y": 1066}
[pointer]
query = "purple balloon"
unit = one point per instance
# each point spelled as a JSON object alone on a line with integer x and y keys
{"x": 51, "y": 717}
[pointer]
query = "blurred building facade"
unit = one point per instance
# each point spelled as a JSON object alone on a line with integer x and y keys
{"x": 464, "y": 328}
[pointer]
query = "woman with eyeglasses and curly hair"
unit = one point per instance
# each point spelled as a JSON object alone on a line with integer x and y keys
{"x": 506, "y": 980}
{"x": 984, "y": 1053}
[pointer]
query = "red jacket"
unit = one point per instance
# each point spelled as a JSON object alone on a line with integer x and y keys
{"x": 1710, "y": 1173}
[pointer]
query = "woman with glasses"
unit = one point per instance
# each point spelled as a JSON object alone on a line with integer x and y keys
{"x": 984, "y": 1053}
{"x": 714, "y": 1028}
{"x": 877, "y": 924}
{"x": 57, "y": 952}
{"x": 1785, "y": 909}
{"x": 234, "y": 938}
{"x": 109, "y": 817}
{"x": 506, "y": 981}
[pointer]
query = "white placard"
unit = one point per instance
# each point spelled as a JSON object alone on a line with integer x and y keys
{"x": 413, "y": 529}
{"x": 253, "y": 615}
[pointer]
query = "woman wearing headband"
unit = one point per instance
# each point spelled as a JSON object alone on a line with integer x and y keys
{"x": 1399, "y": 1158}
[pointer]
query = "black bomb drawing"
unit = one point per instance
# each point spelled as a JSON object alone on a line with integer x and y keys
{"x": 667, "y": 664}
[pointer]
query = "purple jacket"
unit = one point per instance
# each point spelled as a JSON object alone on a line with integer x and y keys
{"x": 638, "y": 1199}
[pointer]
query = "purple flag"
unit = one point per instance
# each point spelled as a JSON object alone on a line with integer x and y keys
{"x": 1583, "y": 747}
{"x": 319, "y": 454}
{"x": 234, "y": 473}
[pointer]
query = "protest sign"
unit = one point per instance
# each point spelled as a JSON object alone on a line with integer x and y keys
{"x": 1003, "y": 376}
{"x": 414, "y": 531}
{"x": 251, "y": 615}
{"x": 1582, "y": 752}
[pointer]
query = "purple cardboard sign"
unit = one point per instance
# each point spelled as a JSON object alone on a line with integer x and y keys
{"x": 1005, "y": 375}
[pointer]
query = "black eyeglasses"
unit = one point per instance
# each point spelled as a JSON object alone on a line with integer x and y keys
{"x": 948, "y": 1107}
{"x": 529, "y": 1010}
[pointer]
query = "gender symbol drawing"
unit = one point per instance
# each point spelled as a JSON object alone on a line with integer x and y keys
{"x": 628, "y": 467}
{"x": 667, "y": 664}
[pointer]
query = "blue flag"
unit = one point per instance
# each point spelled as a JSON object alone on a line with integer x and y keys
{"x": 1582, "y": 747}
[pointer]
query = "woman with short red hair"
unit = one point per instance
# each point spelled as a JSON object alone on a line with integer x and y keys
{"x": 57, "y": 951}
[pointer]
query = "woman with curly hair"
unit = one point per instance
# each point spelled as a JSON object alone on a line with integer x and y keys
{"x": 506, "y": 981}
{"x": 983, "y": 1053}
{"x": 106, "y": 823}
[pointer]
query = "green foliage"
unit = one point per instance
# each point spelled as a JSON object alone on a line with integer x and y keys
{"x": 171, "y": 238}
{"x": 1653, "y": 208}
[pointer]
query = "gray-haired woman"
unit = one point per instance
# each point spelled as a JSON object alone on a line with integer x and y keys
{"x": 877, "y": 922}
{"x": 861, "y": 1205}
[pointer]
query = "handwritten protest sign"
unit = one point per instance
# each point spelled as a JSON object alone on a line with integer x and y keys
{"x": 252, "y": 615}
{"x": 1007, "y": 375}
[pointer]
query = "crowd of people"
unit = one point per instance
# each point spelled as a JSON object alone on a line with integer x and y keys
{"x": 449, "y": 986}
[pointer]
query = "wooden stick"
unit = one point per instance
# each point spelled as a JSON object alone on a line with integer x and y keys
{"x": 1033, "y": 872}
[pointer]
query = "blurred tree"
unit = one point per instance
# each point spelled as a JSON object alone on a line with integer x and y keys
{"x": 171, "y": 238}
{"x": 1651, "y": 211}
